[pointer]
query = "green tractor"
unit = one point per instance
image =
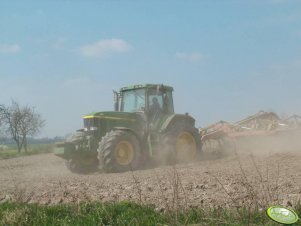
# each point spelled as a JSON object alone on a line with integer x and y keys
{"x": 142, "y": 129}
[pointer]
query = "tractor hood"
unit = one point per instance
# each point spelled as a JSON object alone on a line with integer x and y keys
{"x": 104, "y": 122}
{"x": 112, "y": 115}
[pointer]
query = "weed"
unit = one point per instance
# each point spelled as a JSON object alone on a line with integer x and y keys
{"x": 137, "y": 186}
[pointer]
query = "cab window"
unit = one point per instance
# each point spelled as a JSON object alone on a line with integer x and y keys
{"x": 163, "y": 99}
{"x": 153, "y": 97}
{"x": 168, "y": 102}
{"x": 133, "y": 100}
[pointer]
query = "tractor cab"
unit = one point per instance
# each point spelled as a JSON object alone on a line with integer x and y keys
{"x": 151, "y": 100}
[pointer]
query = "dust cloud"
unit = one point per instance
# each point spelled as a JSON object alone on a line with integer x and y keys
{"x": 282, "y": 142}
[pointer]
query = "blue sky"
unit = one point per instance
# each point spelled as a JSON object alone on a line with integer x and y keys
{"x": 226, "y": 59}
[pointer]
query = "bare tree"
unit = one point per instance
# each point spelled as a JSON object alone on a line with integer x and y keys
{"x": 1, "y": 119}
{"x": 1, "y": 114}
{"x": 21, "y": 122}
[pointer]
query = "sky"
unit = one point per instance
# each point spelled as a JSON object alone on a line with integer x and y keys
{"x": 226, "y": 59}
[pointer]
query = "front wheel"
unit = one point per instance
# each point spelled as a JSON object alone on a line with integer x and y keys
{"x": 81, "y": 165}
{"x": 119, "y": 151}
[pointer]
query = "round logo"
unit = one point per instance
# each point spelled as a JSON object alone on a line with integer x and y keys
{"x": 282, "y": 215}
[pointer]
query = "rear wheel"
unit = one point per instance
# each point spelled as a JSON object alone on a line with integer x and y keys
{"x": 119, "y": 151}
{"x": 181, "y": 143}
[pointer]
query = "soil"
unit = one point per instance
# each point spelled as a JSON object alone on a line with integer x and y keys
{"x": 257, "y": 176}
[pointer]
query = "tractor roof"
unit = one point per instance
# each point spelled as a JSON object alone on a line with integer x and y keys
{"x": 144, "y": 86}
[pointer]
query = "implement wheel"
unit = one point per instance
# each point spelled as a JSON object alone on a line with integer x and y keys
{"x": 119, "y": 151}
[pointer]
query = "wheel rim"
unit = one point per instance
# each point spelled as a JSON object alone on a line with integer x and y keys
{"x": 185, "y": 146}
{"x": 124, "y": 153}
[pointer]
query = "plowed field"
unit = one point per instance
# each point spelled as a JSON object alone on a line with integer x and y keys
{"x": 247, "y": 176}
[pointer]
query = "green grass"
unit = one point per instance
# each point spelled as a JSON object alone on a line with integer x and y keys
{"x": 33, "y": 149}
{"x": 124, "y": 213}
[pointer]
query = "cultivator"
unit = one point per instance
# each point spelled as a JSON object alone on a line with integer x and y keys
{"x": 223, "y": 136}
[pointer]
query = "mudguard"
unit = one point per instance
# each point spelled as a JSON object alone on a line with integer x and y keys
{"x": 176, "y": 118}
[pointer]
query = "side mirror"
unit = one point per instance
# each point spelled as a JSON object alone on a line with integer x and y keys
{"x": 282, "y": 215}
{"x": 116, "y": 100}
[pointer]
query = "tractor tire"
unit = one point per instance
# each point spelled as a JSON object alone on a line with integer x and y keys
{"x": 119, "y": 151}
{"x": 78, "y": 166}
{"x": 182, "y": 143}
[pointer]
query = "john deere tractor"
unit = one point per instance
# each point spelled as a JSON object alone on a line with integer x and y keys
{"x": 143, "y": 128}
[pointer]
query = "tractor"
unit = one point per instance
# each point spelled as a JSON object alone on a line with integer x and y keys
{"x": 142, "y": 128}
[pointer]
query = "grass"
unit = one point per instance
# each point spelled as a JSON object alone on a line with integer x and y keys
{"x": 33, "y": 149}
{"x": 123, "y": 213}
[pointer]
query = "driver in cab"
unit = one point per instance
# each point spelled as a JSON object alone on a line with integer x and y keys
{"x": 154, "y": 107}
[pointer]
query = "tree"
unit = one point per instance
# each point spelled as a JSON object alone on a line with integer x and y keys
{"x": 20, "y": 122}
{"x": 2, "y": 110}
